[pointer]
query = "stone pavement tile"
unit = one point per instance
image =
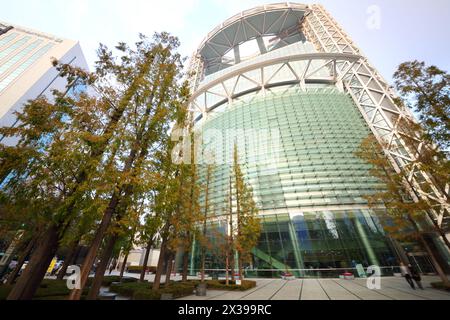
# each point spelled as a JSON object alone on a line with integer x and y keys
{"x": 429, "y": 279}
{"x": 312, "y": 290}
{"x": 362, "y": 292}
{"x": 238, "y": 295}
{"x": 210, "y": 294}
{"x": 336, "y": 292}
{"x": 428, "y": 293}
{"x": 230, "y": 296}
{"x": 291, "y": 291}
{"x": 266, "y": 292}
{"x": 393, "y": 293}
{"x": 325, "y": 289}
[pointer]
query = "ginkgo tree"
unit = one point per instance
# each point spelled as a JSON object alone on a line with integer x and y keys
{"x": 404, "y": 217}
{"x": 248, "y": 227}
{"x": 426, "y": 91}
{"x": 86, "y": 155}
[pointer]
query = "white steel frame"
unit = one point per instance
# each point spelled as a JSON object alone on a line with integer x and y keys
{"x": 279, "y": 20}
{"x": 227, "y": 87}
{"x": 347, "y": 68}
{"x": 375, "y": 99}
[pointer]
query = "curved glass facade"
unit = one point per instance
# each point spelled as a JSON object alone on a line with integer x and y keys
{"x": 288, "y": 108}
{"x": 311, "y": 201}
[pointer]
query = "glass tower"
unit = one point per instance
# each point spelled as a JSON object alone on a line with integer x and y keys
{"x": 285, "y": 85}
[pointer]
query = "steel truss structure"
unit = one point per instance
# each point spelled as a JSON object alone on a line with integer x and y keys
{"x": 375, "y": 99}
{"x": 217, "y": 80}
{"x": 297, "y": 70}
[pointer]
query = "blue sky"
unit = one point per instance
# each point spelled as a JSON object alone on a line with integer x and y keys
{"x": 409, "y": 29}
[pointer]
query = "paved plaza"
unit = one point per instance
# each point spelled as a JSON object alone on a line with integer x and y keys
{"x": 392, "y": 288}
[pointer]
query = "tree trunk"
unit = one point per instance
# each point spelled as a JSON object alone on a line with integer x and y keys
{"x": 101, "y": 269}
{"x": 185, "y": 266}
{"x": 436, "y": 226}
{"x": 169, "y": 268}
{"x": 436, "y": 264}
{"x": 147, "y": 255}
{"x": 205, "y": 218}
{"x": 77, "y": 255}
{"x": 69, "y": 260}
{"x": 227, "y": 268}
{"x": 238, "y": 212}
{"x": 241, "y": 275}
{"x": 96, "y": 243}
{"x": 444, "y": 237}
{"x": 111, "y": 210}
{"x": 32, "y": 276}
{"x": 232, "y": 264}
{"x": 44, "y": 253}
{"x": 231, "y": 246}
{"x": 12, "y": 277}
{"x": 124, "y": 265}
{"x": 160, "y": 267}
{"x": 202, "y": 270}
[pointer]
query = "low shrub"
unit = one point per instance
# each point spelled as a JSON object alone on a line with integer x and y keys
{"x": 128, "y": 289}
{"x": 51, "y": 288}
{"x": 146, "y": 295}
{"x": 107, "y": 280}
{"x": 110, "y": 279}
{"x": 48, "y": 290}
{"x": 221, "y": 285}
{"x": 4, "y": 291}
{"x": 176, "y": 290}
{"x": 138, "y": 269}
{"x": 143, "y": 290}
{"x": 179, "y": 289}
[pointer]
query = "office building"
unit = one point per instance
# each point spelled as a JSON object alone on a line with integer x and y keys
{"x": 26, "y": 70}
{"x": 300, "y": 97}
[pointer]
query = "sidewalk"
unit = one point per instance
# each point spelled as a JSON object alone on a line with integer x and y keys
{"x": 392, "y": 288}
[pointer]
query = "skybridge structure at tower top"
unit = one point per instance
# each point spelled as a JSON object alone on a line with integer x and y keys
{"x": 282, "y": 45}
{"x": 258, "y": 50}
{"x": 265, "y": 28}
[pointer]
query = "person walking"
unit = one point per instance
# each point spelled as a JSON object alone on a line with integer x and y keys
{"x": 416, "y": 276}
{"x": 406, "y": 273}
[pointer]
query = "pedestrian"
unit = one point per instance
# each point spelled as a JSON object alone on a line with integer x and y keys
{"x": 406, "y": 273}
{"x": 416, "y": 276}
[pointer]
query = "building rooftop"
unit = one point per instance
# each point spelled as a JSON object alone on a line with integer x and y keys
{"x": 250, "y": 33}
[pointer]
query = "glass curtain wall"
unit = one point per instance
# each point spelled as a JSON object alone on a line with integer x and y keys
{"x": 315, "y": 220}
